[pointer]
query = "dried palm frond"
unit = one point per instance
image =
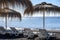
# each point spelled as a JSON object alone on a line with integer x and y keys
{"x": 28, "y": 11}
{"x": 6, "y": 12}
{"x": 46, "y": 7}
{"x": 42, "y": 7}
{"x": 7, "y": 3}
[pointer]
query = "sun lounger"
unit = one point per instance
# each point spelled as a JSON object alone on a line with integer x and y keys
{"x": 57, "y": 35}
{"x": 43, "y": 34}
{"x": 2, "y": 30}
{"x": 16, "y": 32}
{"x": 28, "y": 33}
{"x": 13, "y": 29}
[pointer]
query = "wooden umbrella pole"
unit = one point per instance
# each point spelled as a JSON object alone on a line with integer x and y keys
{"x": 6, "y": 16}
{"x": 43, "y": 19}
{"x": 6, "y": 22}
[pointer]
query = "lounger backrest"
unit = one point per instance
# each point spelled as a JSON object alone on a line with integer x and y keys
{"x": 13, "y": 29}
{"x": 43, "y": 33}
{"x": 27, "y": 30}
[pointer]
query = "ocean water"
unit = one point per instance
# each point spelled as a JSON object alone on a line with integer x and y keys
{"x": 33, "y": 22}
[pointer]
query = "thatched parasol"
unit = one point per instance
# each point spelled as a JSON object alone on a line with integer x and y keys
{"x": 42, "y": 8}
{"x": 46, "y": 7}
{"x": 17, "y": 3}
{"x": 6, "y": 3}
{"x": 6, "y": 12}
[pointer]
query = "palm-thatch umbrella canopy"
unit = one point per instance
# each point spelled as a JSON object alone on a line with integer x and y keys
{"x": 44, "y": 7}
{"x": 17, "y": 3}
{"x": 6, "y": 3}
{"x": 9, "y": 13}
{"x": 6, "y": 12}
